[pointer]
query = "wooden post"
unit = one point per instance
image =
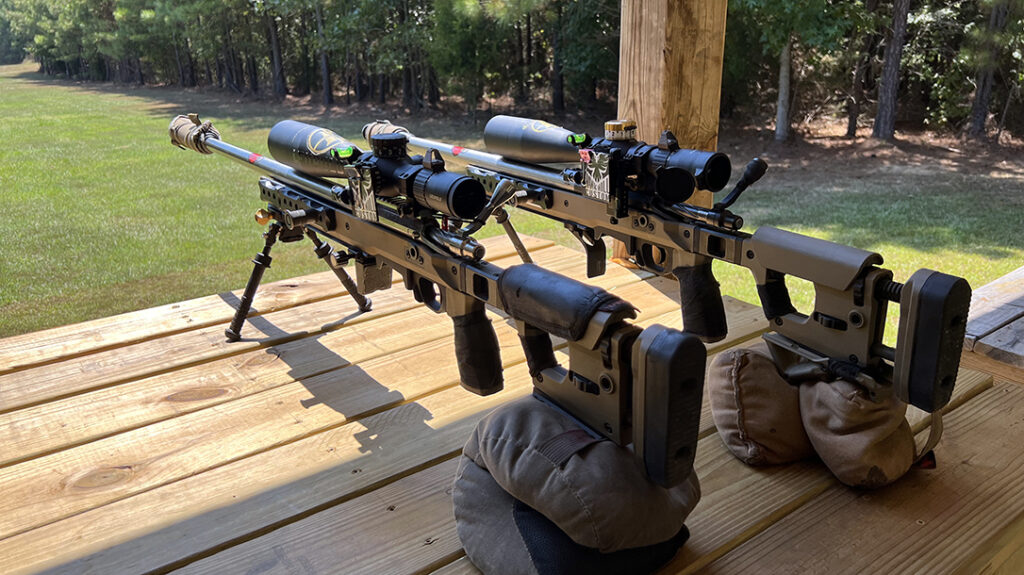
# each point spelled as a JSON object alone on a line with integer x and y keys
{"x": 670, "y": 73}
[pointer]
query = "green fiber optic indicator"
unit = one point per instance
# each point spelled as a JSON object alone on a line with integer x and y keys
{"x": 342, "y": 153}
{"x": 577, "y": 138}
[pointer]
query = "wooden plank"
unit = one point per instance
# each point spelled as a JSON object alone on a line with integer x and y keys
{"x": 979, "y": 362}
{"x": 147, "y": 457}
{"x": 301, "y": 543}
{"x": 173, "y": 521}
{"x": 1005, "y": 345}
{"x": 404, "y": 527}
{"x": 994, "y": 305}
{"x": 937, "y": 521}
{"x": 51, "y": 426}
{"x": 164, "y": 526}
{"x": 111, "y": 366}
{"x": 39, "y": 348}
{"x": 461, "y": 566}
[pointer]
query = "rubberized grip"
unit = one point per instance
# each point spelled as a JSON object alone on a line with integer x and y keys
{"x": 774, "y": 296}
{"x": 477, "y": 353}
{"x": 701, "y": 300}
{"x": 540, "y": 355}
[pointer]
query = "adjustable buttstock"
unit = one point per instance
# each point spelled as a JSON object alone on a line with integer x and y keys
{"x": 668, "y": 387}
{"x": 701, "y": 300}
{"x": 477, "y": 352}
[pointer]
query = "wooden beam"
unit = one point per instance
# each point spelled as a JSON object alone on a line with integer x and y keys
{"x": 670, "y": 70}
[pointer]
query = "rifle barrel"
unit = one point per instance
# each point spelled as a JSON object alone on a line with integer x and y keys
{"x": 465, "y": 156}
{"x": 283, "y": 172}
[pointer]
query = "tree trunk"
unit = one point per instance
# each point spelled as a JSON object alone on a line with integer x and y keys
{"x": 254, "y": 79}
{"x": 782, "y": 115}
{"x": 382, "y": 92}
{"x": 305, "y": 86}
{"x": 325, "y": 64}
{"x": 860, "y": 69}
{"x": 888, "y": 90}
{"x": 557, "y": 81}
{"x": 191, "y": 76}
{"x": 986, "y": 72}
{"x": 276, "y": 64}
{"x": 521, "y": 93}
{"x": 433, "y": 90}
{"x": 177, "y": 60}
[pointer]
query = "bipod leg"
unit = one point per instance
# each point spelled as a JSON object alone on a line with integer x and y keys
{"x": 260, "y": 263}
{"x": 326, "y": 252}
{"x": 501, "y": 216}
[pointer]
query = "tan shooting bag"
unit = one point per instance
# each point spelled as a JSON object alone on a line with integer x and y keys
{"x": 764, "y": 420}
{"x": 536, "y": 494}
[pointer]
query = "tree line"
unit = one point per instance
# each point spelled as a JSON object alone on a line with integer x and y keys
{"x": 955, "y": 65}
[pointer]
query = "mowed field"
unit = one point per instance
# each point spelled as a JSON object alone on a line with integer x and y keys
{"x": 102, "y": 215}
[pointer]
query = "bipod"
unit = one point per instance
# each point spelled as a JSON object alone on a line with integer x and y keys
{"x": 336, "y": 261}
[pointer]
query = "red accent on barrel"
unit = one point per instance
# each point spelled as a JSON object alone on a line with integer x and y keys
{"x": 456, "y": 150}
{"x": 253, "y": 157}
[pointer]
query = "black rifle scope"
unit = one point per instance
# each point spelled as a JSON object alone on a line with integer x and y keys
{"x": 320, "y": 152}
{"x": 537, "y": 141}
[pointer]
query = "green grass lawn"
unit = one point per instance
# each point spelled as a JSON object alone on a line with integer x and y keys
{"x": 102, "y": 215}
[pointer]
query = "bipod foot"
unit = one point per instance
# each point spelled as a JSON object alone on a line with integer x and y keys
{"x": 336, "y": 262}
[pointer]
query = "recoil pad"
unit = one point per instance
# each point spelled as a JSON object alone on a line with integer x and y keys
{"x": 668, "y": 389}
{"x": 701, "y": 300}
{"x": 477, "y": 353}
{"x": 188, "y": 133}
{"x": 933, "y": 321}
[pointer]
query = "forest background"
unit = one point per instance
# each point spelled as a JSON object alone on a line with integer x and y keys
{"x": 102, "y": 215}
{"x": 959, "y": 64}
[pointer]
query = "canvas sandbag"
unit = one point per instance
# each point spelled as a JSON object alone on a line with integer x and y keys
{"x": 756, "y": 411}
{"x": 502, "y": 535}
{"x": 864, "y": 443}
{"x": 593, "y": 490}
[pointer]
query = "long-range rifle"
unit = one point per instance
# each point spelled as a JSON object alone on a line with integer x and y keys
{"x": 409, "y": 215}
{"x": 620, "y": 187}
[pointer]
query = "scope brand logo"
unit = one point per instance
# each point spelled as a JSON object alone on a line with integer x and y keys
{"x": 539, "y": 126}
{"x": 321, "y": 141}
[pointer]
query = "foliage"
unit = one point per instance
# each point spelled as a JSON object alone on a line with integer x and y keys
{"x": 481, "y": 49}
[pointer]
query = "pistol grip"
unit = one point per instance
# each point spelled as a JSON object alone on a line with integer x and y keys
{"x": 540, "y": 354}
{"x": 668, "y": 388}
{"x": 477, "y": 353}
{"x": 701, "y": 300}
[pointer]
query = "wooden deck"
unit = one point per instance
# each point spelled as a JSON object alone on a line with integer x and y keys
{"x": 325, "y": 442}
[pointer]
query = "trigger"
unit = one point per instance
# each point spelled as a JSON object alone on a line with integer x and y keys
{"x": 594, "y": 248}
